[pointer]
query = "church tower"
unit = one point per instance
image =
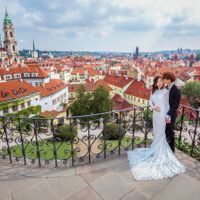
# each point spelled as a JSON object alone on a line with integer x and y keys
{"x": 0, "y": 42}
{"x": 10, "y": 43}
{"x": 34, "y": 51}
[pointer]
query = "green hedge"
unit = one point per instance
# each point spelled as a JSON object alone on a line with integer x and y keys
{"x": 64, "y": 133}
{"x": 112, "y": 131}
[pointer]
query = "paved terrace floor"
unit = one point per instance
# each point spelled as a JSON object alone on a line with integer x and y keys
{"x": 108, "y": 179}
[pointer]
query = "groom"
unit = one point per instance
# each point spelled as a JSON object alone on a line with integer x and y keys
{"x": 174, "y": 101}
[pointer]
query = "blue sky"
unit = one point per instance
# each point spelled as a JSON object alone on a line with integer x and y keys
{"x": 108, "y": 25}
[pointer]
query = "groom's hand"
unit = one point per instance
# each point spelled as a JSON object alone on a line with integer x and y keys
{"x": 168, "y": 120}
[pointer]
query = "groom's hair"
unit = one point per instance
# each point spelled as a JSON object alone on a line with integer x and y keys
{"x": 169, "y": 76}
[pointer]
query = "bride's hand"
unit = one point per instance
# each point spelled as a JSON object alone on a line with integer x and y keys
{"x": 157, "y": 108}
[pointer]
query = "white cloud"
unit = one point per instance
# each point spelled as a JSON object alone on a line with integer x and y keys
{"x": 127, "y": 22}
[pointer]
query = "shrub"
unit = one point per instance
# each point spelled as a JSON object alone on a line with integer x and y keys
{"x": 64, "y": 133}
{"x": 111, "y": 131}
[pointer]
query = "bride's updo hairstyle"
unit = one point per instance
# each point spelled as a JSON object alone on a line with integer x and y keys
{"x": 155, "y": 81}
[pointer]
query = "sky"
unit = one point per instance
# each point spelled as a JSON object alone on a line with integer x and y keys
{"x": 104, "y": 25}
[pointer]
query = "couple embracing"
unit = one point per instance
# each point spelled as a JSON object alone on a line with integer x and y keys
{"x": 159, "y": 161}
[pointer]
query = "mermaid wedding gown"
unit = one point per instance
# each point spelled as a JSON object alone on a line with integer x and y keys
{"x": 158, "y": 161}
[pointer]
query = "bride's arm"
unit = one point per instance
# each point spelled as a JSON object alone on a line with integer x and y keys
{"x": 153, "y": 106}
{"x": 151, "y": 103}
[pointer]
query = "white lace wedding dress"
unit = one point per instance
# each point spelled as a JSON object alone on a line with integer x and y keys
{"x": 158, "y": 161}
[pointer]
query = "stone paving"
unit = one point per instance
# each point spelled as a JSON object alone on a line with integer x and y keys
{"x": 107, "y": 179}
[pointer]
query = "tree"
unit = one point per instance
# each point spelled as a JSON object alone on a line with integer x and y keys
{"x": 82, "y": 103}
{"x": 192, "y": 92}
{"x": 198, "y": 57}
{"x": 101, "y": 101}
{"x": 85, "y": 103}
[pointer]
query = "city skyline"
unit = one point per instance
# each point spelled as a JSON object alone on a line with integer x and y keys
{"x": 91, "y": 25}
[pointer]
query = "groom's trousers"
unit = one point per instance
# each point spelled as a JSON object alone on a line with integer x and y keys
{"x": 170, "y": 133}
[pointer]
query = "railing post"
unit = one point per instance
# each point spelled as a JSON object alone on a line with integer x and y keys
{"x": 54, "y": 143}
{"x": 195, "y": 132}
{"x": 104, "y": 136}
{"x": 7, "y": 140}
{"x": 133, "y": 129}
{"x": 119, "y": 133}
{"x": 37, "y": 143}
{"x": 22, "y": 140}
{"x": 71, "y": 140}
{"x": 89, "y": 147}
{"x": 181, "y": 128}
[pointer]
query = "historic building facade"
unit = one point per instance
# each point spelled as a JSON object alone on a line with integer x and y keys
{"x": 10, "y": 42}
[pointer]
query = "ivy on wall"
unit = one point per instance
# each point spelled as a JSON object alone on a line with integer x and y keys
{"x": 32, "y": 110}
{"x": 4, "y": 105}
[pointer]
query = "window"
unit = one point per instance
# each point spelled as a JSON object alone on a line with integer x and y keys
{"x": 7, "y": 77}
{"x": 54, "y": 102}
{"x": 11, "y": 35}
{"x": 26, "y": 74}
{"x": 15, "y": 108}
{"x": 17, "y": 75}
{"x": 22, "y": 105}
{"x": 13, "y": 47}
{"x": 29, "y": 103}
{"x": 5, "y": 110}
{"x": 34, "y": 74}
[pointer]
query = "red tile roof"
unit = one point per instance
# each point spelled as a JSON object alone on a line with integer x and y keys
{"x": 89, "y": 86}
{"x": 51, "y": 113}
{"x": 102, "y": 83}
{"x": 119, "y": 103}
{"x": 81, "y": 70}
{"x": 138, "y": 89}
{"x": 118, "y": 81}
{"x": 21, "y": 70}
{"x": 74, "y": 87}
{"x": 50, "y": 88}
{"x": 15, "y": 89}
{"x": 188, "y": 109}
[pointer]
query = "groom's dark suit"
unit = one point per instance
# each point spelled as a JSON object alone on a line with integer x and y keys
{"x": 174, "y": 101}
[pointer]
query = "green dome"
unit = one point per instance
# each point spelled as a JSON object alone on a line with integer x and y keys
{"x": 7, "y": 19}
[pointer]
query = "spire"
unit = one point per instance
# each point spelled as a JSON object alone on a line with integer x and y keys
{"x": 33, "y": 45}
{"x": 0, "y": 41}
{"x": 7, "y": 19}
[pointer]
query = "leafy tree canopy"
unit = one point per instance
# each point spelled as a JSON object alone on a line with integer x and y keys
{"x": 192, "y": 92}
{"x": 90, "y": 103}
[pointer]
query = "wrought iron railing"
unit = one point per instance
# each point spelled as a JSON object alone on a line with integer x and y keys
{"x": 84, "y": 139}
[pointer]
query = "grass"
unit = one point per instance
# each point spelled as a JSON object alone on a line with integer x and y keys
{"x": 187, "y": 148}
{"x": 46, "y": 150}
{"x": 63, "y": 149}
{"x": 126, "y": 141}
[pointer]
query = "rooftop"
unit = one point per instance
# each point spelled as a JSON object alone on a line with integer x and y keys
{"x": 52, "y": 87}
{"x": 15, "y": 89}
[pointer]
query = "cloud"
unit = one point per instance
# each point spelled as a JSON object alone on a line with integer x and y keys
{"x": 93, "y": 20}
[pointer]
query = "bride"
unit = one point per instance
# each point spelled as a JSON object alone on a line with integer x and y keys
{"x": 158, "y": 161}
